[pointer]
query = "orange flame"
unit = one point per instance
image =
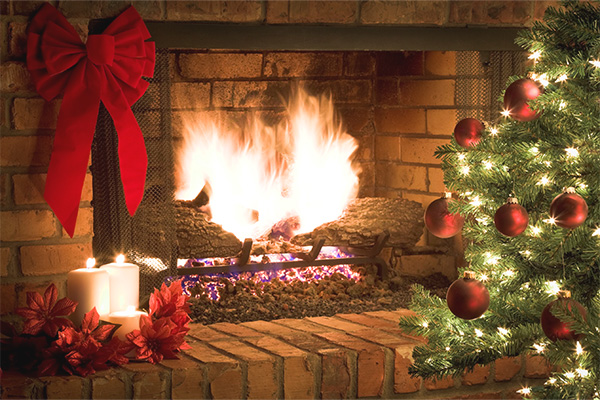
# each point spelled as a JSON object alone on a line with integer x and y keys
{"x": 261, "y": 175}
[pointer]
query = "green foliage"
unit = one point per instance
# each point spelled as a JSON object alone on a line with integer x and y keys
{"x": 531, "y": 161}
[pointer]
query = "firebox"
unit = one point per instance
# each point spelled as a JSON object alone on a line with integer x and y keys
{"x": 396, "y": 92}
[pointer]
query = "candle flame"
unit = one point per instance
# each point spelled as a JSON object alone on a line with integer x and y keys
{"x": 90, "y": 263}
{"x": 120, "y": 259}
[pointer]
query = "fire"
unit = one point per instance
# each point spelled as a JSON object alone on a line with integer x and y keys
{"x": 259, "y": 175}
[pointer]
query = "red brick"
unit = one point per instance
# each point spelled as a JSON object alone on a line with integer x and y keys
{"x": 441, "y": 122}
{"x": 322, "y": 11}
{"x": 440, "y": 62}
{"x": 386, "y": 92}
{"x": 387, "y": 148}
{"x": 219, "y": 66}
{"x": 373, "y": 322}
{"x": 403, "y": 12}
{"x": 507, "y": 368}
{"x": 54, "y": 259}
{"x": 5, "y": 260}
{"x": 17, "y": 38}
{"x": 399, "y": 63}
{"x": 399, "y": 120}
{"x": 15, "y": 77}
{"x": 205, "y": 333}
{"x": 8, "y": 298}
{"x": 262, "y": 374}
{"x": 401, "y": 176}
{"x": 356, "y": 120}
{"x": 370, "y": 362}
{"x": 427, "y": 93}
{"x": 499, "y": 13}
{"x": 403, "y": 381}
{"x": 35, "y": 113}
{"x": 39, "y": 287}
{"x": 109, "y": 384}
{"x": 27, "y": 225}
{"x": 259, "y": 94}
{"x": 224, "y": 373}
{"x": 365, "y": 151}
{"x": 540, "y": 6}
{"x": 299, "y": 367}
{"x": 439, "y": 384}
{"x": 536, "y": 367}
{"x": 222, "y": 94}
{"x": 190, "y": 95}
{"x": 236, "y": 330}
{"x": 283, "y": 64}
{"x": 428, "y": 264}
{"x": 17, "y": 386}
{"x": 343, "y": 91}
{"x": 478, "y": 376}
{"x": 87, "y": 190}
{"x": 4, "y": 119}
{"x": 215, "y": 10}
{"x": 336, "y": 323}
{"x": 29, "y": 189}
{"x": 150, "y": 10}
{"x": 59, "y": 387}
{"x": 421, "y": 150}
{"x": 483, "y": 396}
{"x": 187, "y": 378}
{"x": 359, "y": 63}
{"x": 392, "y": 316}
{"x": 85, "y": 224}
{"x": 436, "y": 180}
{"x": 24, "y": 151}
{"x": 149, "y": 381}
{"x": 277, "y": 11}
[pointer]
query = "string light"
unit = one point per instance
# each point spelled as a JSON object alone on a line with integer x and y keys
{"x": 553, "y": 287}
{"x": 478, "y": 333}
{"x": 465, "y": 170}
{"x": 505, "y": 113}
{"x": 582, "y": 372}
{"x": 578, "y": 349}
{"x": 596, "y": 232}
{"x": 535, "y": 231}
{"x": 535, "y": 55}
{"x": 527, "y": 253}
{"x": 509, "y": 272}
{"x": 461, "y": 156}
{"x": 543, "y": 181}
{"x": 447, "y": 348}
{"x": 595, "y": 63}
{"x": 572, "y": 152}
{"x": 534, "y": 150}
{"x": 562, "y": 78}
{"x": 475, "y": 202}
{"x": 488, "y": 165}
{"x": 491, "y": 259}
{"x": 503, "y": 331}
{"x": 493, "y": 131}
{"x": 551, "y": 381}
{"x": 524, "y": 391}
{"x": 483, "y": 277}
{"x": 562, "y": 105}
{"x": 425, "y": 324}
{"x": 550, "y": 221}
{"x": 543, "y": 79}
{"x": 570, "y": 375}
{"x": 539, "y": 347}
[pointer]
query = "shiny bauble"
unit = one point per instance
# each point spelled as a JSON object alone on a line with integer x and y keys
{"x": 553, "y": 327}
{"x": 467, "y": 297}
{"x": 516, "y": 97}
{"x": 511, "y": 219}
{"x": 440, "y": 221}
{"x": 569, "y": 209}
{"x": 467, "y": 132}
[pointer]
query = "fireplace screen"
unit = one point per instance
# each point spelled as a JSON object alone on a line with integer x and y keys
{"x": 149, "y": 239}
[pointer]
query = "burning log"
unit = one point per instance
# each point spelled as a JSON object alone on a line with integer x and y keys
{"x": 199, "y": 237}
{"x": 364, "y": 219}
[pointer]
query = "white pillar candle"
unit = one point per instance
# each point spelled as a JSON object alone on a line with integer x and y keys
{"x": 124, "y": 284}
{"x": 128, "y": 319}
{"x": 89, "y": 288}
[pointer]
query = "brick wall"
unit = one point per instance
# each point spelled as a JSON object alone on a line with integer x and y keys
{"x": 35, "y": 249}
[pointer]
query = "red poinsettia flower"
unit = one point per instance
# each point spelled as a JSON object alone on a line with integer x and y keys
{"x": 89, "y": 326}
{"x": 168, "y": 300}
{"x": 45, "y": 313}
{"x": 55, "y": 356}
{"x": 154, "y": 340}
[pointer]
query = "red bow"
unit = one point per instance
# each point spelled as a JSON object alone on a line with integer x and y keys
{"x": 108, "y": 68}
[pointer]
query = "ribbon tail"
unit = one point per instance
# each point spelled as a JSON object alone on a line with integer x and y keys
{"x": 71, "y": 148}
{"x": 133, "y": 160}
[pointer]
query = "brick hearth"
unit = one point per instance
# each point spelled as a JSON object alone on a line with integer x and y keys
{"x": 345, "y": 356}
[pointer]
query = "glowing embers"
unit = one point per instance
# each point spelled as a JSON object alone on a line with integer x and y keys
{"x": 213, "y": 285}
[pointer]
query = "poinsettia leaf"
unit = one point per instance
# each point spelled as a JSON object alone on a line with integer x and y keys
{"x": 64, "y": 306}
{"x": 103, "y": 332}
{"x": 50, "y": 327}
{"x": 35, "y": 301}
{"x": 33, "y": 326}
{"x": 90, "y": 320}
{"x": 7, "y": 330}
{"x": 185, "y": 346}
{"x": 50, "y": 295}
{"x": 27, "y": 312}
{"x": 154, "y": 303}
{"x": 48, "y": 367}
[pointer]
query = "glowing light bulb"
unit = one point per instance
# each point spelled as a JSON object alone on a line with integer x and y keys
{"x": 503, "y": 331}
{"x": 570, "y": 375}
{"x": 488, "y": 165}
{"x": 461, "y": 156}
{"x": 553, "y": 287}
{"x": 596, "y": 232}
{"x": 535, "y": 55}
{"x": 475, "y": 202}
{"x": 562, "y": 78}
{"x": 562, "y": 105}
{"x": 524, "y": 391}
{"x": 425, "y": 324}
{"x": 551, "y": 381}
{"x": 90, "y": 263}
{"x": 494, "y": 131}
{"x": 505, "y": 113}
{"x": 572, "y": 152}
{"x": 120, "y": 259}
{"x": 578, "y": 349}
{"x": 465, "y": 170}
{"x": 534, "y": 150}
{"x": 582, "y": 372}
{"x": 447, "y": 348}
{"x": 539, "y": 347}
{"x": 535, "y": 231}
{"x": 543, "y": 79}
{"x": 483, "y": 277}
{"x": 478, "y": 333}
{"x": 527, "y": 253}
{"x": 550, "y": 221}
{"x": 509, "y": 272}
{"x": 595, "y": 63}
{"x": 543, "y": 181}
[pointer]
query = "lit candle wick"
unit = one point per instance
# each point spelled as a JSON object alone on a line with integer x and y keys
{"x": 120, "y": 259}
{"x": 90, "y": 263}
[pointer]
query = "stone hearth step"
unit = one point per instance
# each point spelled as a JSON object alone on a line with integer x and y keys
{"x": 345, "y": 356}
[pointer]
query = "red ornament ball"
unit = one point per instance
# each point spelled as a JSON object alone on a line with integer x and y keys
{"x": 553, "y": 327}
{"x": 511, "y": 219}
{"x": 468, "y": 132}
{"x": 468, "y": 298}
{"x": 440, "y": 221}
{"x": 569, "y": 209}
{"x": 516, "y": 97}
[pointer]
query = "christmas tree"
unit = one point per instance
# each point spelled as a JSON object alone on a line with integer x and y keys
{"x": 528, "y": 188}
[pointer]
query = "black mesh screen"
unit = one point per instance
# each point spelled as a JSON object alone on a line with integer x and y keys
{"x": 148, "y": 238}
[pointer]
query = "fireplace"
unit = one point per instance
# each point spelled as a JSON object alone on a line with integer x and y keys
{"x": 391, "y": 103}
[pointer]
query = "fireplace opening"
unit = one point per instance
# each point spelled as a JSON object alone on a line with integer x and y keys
{"x": 379, "y": 98}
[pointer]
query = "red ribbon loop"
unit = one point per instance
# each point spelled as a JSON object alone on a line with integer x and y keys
{"x": 108, "y": 68}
